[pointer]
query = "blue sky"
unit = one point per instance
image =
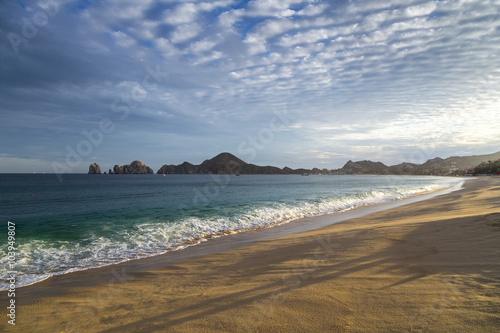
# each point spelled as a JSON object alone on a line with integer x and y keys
{"x": 298, "y": 83}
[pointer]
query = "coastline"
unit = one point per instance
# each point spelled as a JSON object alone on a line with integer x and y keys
{"x": 280, "y": 228}
{"x": 110, "y": 291}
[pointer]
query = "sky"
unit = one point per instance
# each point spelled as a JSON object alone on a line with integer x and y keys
{"x": 298, "y": 83}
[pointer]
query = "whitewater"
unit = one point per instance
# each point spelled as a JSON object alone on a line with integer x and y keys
{"x": 89, "y": 221}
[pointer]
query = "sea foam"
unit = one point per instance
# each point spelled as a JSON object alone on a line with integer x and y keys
{"x": 40, "y": 259}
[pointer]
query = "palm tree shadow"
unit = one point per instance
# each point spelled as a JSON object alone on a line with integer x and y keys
{"x": 411, "y": 248}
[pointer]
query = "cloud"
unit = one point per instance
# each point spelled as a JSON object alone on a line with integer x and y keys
{"x": 185, "y": 32}
{"x": 122, "y": 39}
{"x": 313, "y": 10}
{"x": 270, "y": 8}
{"x": 202, "y": 46}
{"x": 367, "y": 70}
{"x": 182, "y": 14}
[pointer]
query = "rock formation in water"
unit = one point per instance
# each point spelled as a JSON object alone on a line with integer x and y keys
{"x": 134, "y": 168}
{"x": 94, "y": 169}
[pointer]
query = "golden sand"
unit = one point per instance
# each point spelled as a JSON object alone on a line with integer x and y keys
{"x": 430, "y": 266}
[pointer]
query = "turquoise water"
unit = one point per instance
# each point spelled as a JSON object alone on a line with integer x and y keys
{"x": 94, "y": 220}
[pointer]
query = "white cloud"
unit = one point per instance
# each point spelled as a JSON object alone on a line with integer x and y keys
{"x": 277, "y": 8}
{"x": 190, "y": 11}
{"x": 215, "y": 55}
{"x": 165, "y": 47}
{"x": 183, "y": 13}
{"x": 202, "y": 46}
{"x": 122, "y": 39}
{"x": 315, "y": 35}
{"x": 383, "y": 63}
{"x": 255, "y": 45}
{"x": 421, "y": 10}
{"x": 185, "y": 32}
{"x": 228, "y": 19}
{"x": 312, "y": 10}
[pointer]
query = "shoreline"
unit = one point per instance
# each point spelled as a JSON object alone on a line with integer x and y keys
{"x": 249, "y": 236}
{"x": 276, "y": 272}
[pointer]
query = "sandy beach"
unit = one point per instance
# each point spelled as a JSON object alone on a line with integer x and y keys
{"x": 428, "y": 266}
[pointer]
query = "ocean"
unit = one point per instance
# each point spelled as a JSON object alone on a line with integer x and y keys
{"x": 88, "y": 221}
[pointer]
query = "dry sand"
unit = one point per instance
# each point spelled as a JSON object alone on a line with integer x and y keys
{"x": 430, "y": 266}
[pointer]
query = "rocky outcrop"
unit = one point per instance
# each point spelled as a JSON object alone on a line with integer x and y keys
{"x": 94, "y": 169}
{"x": 134, "y": 168}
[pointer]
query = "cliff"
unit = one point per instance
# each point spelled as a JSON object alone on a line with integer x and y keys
{"x": 134, "y": 168}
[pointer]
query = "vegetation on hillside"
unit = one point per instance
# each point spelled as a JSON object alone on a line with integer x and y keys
{"x": 490, "y": 167}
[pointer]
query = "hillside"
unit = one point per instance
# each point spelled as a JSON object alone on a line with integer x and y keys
{"x": 224, "y": 163}
{"x": 435, "y": 166}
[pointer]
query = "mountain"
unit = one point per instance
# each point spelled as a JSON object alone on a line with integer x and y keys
{"x": 364, "y": 167}
{"x": 471, "y": 161}
{"x": 436, "y": 166}
{"x": 224, "y": 163}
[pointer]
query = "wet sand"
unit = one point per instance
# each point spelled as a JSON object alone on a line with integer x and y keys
{"x": 428, "y": 266}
